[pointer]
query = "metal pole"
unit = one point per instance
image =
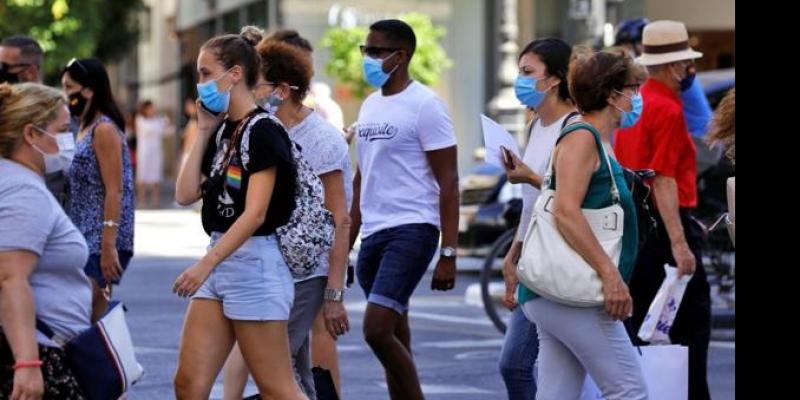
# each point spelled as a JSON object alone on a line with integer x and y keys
{"x": 505, "y": 107}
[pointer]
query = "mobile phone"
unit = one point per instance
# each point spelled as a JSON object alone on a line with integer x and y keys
{"x": 207, "y": 110}
{"x": 645, "y": 173}
{"x": 507, "y": 159}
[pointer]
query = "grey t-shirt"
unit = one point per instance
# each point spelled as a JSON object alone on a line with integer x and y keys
{"x": 31, "y": 219}
{"x": 325, "y": 149}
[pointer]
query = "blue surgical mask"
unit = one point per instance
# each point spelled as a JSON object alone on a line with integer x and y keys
{"x": 215, "y": 100}
{"x": 525, "y": 89}
{"x": 373, "y": 71}
{"x": 630, "y": 118}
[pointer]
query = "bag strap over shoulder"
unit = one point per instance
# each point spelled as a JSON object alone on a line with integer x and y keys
{"x": 575, "y": 127}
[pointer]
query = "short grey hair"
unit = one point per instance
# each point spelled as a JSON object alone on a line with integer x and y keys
{"x": 29, "y": 48}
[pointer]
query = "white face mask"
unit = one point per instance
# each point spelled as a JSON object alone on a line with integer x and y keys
{"x": 62, "y": 160}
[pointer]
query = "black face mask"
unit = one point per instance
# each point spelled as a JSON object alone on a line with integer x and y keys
{"x": 6, "y": 76}
{"x": 687, "y": 81}
{"x": 77, "y": 103}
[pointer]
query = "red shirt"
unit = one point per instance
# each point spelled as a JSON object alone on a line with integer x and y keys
{"x": 660, "y": 141}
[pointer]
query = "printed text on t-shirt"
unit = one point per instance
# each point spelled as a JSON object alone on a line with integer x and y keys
{"x": 377, "y": 131}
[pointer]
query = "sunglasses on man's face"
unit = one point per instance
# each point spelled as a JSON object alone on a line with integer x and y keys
{"x": 376, "y": 51}
{"x": 7, "y": 66}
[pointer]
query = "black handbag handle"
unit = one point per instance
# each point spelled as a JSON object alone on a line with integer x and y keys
{"x": 44, "y": 328}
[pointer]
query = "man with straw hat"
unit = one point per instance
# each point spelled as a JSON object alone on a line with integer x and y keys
{"x": 661, "y": 141}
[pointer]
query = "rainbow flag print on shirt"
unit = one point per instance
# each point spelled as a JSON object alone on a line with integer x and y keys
{"x": 234, "y": 178}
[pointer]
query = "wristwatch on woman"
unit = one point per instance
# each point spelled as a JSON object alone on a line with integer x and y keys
{"x": 336, "y": 295}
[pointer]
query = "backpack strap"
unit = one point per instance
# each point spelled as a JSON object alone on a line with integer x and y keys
{"x": 244, "y": 143}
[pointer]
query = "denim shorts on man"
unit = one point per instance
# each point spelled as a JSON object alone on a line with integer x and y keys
{"x": 392, "y": 261}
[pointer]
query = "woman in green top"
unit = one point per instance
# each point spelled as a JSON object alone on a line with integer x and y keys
{"x": 573, "y": 340}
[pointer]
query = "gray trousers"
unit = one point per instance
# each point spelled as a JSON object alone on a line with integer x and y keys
{"x": 308, "y": 297}
{"x": 574, "y": 341}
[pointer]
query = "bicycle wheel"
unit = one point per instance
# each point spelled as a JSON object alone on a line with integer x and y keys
{"x": 494, "y": 307}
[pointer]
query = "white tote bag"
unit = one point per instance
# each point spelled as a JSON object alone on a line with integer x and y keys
{"x": 102, "y": 358}
{"x": 548, "y": 264}
{"x": 665, "y": 370}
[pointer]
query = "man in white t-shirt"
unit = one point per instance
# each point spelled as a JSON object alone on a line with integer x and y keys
{"x": 405, "y": 191}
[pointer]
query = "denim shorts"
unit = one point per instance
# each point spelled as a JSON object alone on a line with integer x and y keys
{"x": 391, "y": 263}
{"x": 253, "y": 283}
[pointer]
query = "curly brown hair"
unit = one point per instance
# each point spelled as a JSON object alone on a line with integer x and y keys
{"x": 723, "y": 125}
{"x": 639, "y": 72}
{"x": 282, "y": 62}
{"x": 292, "y": 37}
{"x": 594, "y": 76}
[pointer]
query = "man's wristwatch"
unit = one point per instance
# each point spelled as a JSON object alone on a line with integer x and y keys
{"x": 448, "y": 252}
{"x": 336, "y": 295}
